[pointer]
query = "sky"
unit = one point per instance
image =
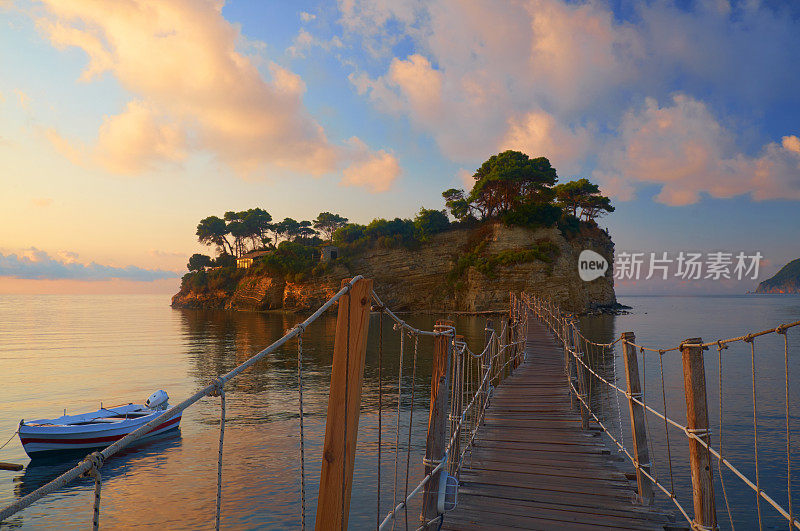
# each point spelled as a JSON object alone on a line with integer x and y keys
{"x": 122, "y": 124}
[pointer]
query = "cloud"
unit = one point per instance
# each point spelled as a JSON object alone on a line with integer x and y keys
{"x": 465, "y": 178}
{"x": 685, "y": 149}
{"x": 307, "y": 17}
{"x": 539, "y": 132}
{"x": 305, "y": 41}
{"x": 136, "y": 140}
{"x": 568, "y": 80}
{"x": 166, "y": 254}
{"x": 42, "y": 202}
{"x": 373, "y": 170}
{"x": 192, "y": 91}
{"x": 23, "y": 99}
{"x": 34, "y": 263}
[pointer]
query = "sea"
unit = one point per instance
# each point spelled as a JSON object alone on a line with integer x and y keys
{"x": 73, "y": 352}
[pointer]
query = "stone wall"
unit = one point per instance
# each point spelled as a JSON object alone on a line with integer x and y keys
{"x": 418, "y": 279}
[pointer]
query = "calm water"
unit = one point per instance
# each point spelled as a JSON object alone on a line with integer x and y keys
{"x": 72, "y": 352}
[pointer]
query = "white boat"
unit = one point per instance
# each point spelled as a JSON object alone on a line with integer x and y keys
{"x": 96, "y": 429}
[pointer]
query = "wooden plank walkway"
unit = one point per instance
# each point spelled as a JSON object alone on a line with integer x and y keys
{"x": 533, "y": 467}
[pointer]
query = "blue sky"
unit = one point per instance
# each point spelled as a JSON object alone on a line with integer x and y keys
{"x": 121, "y": 125}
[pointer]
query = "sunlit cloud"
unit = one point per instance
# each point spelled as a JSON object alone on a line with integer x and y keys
{"x": 42, "y": 202}
{"x": 34, "y": 263}
{"x": 570, "y": 81}
{"x": 192, "y": 91}
{"x": 683, "y": 147}
{"x": 375, "y": 171}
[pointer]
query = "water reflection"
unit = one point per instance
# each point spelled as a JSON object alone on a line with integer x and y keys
{"x": 44, "y": 469}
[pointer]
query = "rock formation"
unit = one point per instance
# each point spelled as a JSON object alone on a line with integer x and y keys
{"x": 469, "y": 270}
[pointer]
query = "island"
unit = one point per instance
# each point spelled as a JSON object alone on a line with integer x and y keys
{"x": 515, "y": 230}
{"x": 787, "y": 280}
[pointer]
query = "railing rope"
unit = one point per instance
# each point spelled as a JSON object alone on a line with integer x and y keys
{"x": 697, "y": 429}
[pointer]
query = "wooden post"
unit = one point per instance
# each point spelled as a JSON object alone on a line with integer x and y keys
{"x": 638, "y": 427}
{"x": 565, "y": 336}
{"x": 572, "y": 373}
{"x": 344, "y": 403}
{"x": 694, "y": 383}
{"x": 485, "y": 362}
{"x": 457, "y": 383}
{"x": 437, "y": 419}
{"x": 583, "y": 384}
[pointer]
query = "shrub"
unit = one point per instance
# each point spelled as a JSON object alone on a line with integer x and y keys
{"x": 429, "y": 222}
{"x": 290, "y": 257}
{"x": 533, "y": 215}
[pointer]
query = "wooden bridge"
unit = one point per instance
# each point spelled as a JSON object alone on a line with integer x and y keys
{"x": 513, "y": 441}
{"x": 534, "y": 467}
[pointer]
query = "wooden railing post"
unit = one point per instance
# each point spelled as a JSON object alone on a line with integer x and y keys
{"x": 583, "y": 380}
{"x": 344, "y": 403}
{"x": 694, "y": 382}
{"x": 457, "y": 404}
{"x": 487, "y": 359}
{"x": 437, "y": 419}
{"x": 638, "y": 427}
{"x": 572, "y": 369}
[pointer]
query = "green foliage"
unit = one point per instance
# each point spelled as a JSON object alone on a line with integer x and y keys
{"x": 328, "y": 223}
{"x": 248, "y": 228}
{"x": 457, "y": 203}
{"x": 569, "y": 225}
{"x": 198, "y": 262}
{"x": 348, "y": 234}
{"x": 584, "y": 195}
{"x": 224, "y": 279}
{"x": 225, "y": 260}
{"x": 391, "y": 233}
{"x": 533, "y": 215}
{"x": 429, "y": 222}
{"x": 212, "y": 231}
{"x": 543, "y": 251}
{"x": 290, "y": 258}
{"x": 510, "y": 178}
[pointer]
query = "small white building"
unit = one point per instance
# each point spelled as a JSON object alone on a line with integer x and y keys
{"x": 329, "y": 252}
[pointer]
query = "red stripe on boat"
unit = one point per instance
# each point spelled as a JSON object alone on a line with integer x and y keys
{"x": 110, "y": 438}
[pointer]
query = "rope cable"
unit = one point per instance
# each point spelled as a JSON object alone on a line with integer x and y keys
{"x": 302, "y": 433}
{"x": 720, "y": 348}
{"x": 755, "y": 429}
{"x": 380, "y": 414}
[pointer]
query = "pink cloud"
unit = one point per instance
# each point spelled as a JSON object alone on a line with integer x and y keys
{"x": 683, "y": 147}
{"x": 193, "y": 91}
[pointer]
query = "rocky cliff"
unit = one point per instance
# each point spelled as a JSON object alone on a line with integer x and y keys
{"x": 468, "y": 270}
{"x": 787, "y": 280}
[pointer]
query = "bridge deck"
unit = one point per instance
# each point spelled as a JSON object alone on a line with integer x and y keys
{"x": 533, "y": 467}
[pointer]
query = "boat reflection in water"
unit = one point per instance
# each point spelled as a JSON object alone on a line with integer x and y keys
{"x": 47, "y": 467}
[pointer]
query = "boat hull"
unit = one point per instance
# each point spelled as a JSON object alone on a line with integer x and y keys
{"x": 39, "y": 441}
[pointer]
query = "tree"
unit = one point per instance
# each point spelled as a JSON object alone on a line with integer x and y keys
{"x": 198, "y": 262}
{"x": 508, "y": 179}
{"x": 458, "y": 205}
{"x": 304, "y": 230}
{"x": 584, "y": 195}
{"x": 289, "y": 229}
{"x": 257, "y": 223}
{"x": 429, "y": 222}
{"x": 327, "y": 224}
{"x": 212, "y": 231}
{"x": 349, "y": 233}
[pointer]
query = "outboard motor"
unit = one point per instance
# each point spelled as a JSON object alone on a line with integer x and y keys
{"x": 157, "y": 401}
